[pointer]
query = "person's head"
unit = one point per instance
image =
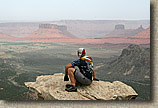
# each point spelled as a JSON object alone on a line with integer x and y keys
{"x": 81, "y": 52}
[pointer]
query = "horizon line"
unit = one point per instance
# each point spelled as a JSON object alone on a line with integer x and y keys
{"x": 17, "y": 21}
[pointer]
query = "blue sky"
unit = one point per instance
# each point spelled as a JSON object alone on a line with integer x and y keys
{"x": 43, "y": 10}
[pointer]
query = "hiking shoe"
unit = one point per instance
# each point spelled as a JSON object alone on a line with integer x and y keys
{"x": 69, "y": 85}
{"x": 71, "y": 89}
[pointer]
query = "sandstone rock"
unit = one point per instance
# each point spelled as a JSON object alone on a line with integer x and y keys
{"x": 50, "y": 31}
{"x": 145, "y": 34}
{"x": 52, "y": 87}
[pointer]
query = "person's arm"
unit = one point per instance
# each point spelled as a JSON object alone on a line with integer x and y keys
{"x": 93, "y": 73}
{"x": 67, "y": 67}
{"x": 94, "y": 78}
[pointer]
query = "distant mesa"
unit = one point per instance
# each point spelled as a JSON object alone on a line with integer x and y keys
{"x": 120, "y": 31}
{"x": 78, "y": 28}
{"x": 119, "y": 27}
{"x": 141, "y": 27}
{"x": 145, "y": 34}
{"x": 122, "y": 27}
{"x": 53, "y": 26}
{"x": 50, "y": 31}
{"x": 98, "y": 28}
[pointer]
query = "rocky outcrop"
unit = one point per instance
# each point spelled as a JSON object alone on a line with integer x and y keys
{"x": 52, "y": 87}
{"x": 120, "y": 31}
{"x": 119, "y": 26}
{"x": 53, "y": 26}
{"x": 132, "y": 64}
{"x": 145, "y": 34}
{"x": 50, "y": 32}
{"x": 98, "y": 28}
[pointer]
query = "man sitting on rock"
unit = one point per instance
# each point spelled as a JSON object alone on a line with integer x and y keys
{"x": 83, "y": 75}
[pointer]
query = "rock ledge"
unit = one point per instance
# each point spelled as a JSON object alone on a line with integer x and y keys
{"x": 52, "y": 87}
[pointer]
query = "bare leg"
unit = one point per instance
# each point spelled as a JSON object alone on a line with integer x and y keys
{"x": 67, "y": 67}
{"x": 71, "y": 75}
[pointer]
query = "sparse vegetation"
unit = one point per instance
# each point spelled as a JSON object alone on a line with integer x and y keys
{"x": 29, "y": 64}
{"x": 31, "y": 43}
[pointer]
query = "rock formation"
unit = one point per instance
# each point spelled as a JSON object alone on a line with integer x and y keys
{"x": 52, "y": 87}
{"x": 132, "y": 64}
{"x": 53, "y": 26}
{"x": 50, "y": 32}
{"x": 119, "y": 26}
{"x": 98, "y": 28}
{"x": 120, "y": 31}
{"x": 145, "y": 34}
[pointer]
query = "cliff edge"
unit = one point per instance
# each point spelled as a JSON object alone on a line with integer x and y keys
{"x": 52, "y": 87}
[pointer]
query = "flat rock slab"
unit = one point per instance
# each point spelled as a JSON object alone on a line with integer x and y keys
{"x": 52, "y": 87}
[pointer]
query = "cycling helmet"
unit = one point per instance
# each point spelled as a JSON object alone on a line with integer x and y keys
{"x": 81, "y": 52}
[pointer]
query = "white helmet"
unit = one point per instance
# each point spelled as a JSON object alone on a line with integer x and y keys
{"x": 81, "y": 52}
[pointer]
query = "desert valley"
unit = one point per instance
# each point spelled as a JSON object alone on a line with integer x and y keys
{"x": 120, "y": 49}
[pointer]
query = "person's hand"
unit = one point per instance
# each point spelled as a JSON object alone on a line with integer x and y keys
{"x": 66, "y": 78}
{"x": 95, "y": 79}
